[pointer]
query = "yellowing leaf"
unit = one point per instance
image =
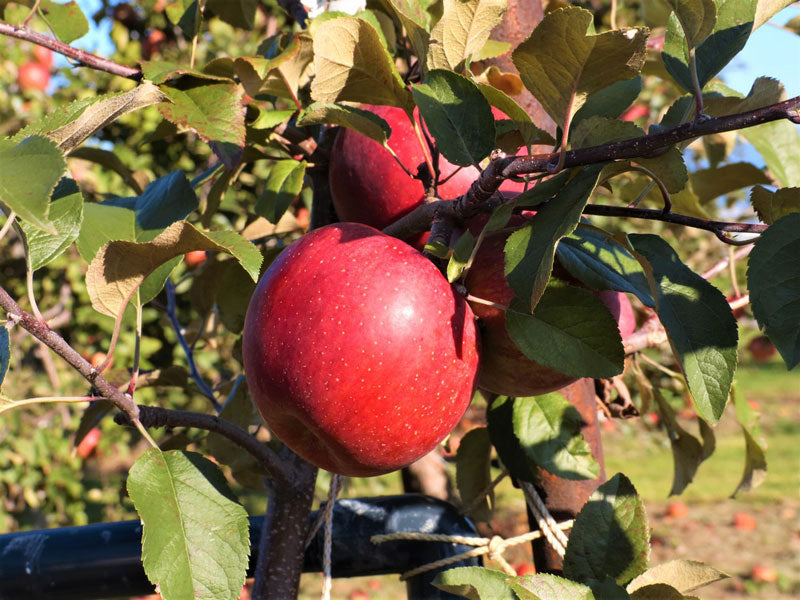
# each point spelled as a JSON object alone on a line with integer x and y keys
{"x": 351, "y": 64}
{"x": 120, "y": 267}
{"x": 281, "y": 76}
{"x": 697, "y": 18}
{"x": 771, "y": 206}
{"x": 561, "y": 65}
{"x": 463, "y": 31}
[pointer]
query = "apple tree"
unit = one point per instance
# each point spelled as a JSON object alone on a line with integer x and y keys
{"x": 263, "y": 238}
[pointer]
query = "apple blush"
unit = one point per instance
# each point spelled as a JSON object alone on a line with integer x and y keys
{"x": 358, "y": 353}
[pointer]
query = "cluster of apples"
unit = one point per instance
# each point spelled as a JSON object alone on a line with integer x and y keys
{"x": 35, "y": 74}
{"x": 359, "y": 354}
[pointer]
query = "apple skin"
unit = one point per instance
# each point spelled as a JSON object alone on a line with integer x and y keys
{"x": 504, "y": 368}
{"x": 358, "y": 353}
{"x": 33, "y": 76}
{"x": 43, "y": 55}
{"x": 367, "y": 184}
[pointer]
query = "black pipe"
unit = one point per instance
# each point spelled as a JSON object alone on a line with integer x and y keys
{"x": 100, "y": 561}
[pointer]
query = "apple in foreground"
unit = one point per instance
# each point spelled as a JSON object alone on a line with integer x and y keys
{"x": 357, "y": 351}
{"x": 504, "y": 368}
{"x": 367, "y": 184}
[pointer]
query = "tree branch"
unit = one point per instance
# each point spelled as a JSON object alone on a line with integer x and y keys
{"x": 42, "y": 332}
{"x": 85, "y": 58}
{"x": 502, "y": 168}
{"x": 155, "y": 416}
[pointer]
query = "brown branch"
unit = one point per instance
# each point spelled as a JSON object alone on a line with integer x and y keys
{"x": 504, "y": 168}
{"x": 42, "y": 332}
{"x": 154, "y": 416}
{"x": 85, "y": 58}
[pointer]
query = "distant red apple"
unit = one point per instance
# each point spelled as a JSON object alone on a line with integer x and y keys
{"x": 43, "y": 55}
{"x": 763, "y": 574}
{"x": 744, "y": 521}
{"x": 88, "y": 444}
{"x": 33, "y": 76}
{"x": 152, "y": 43}
{"x": 303, "y": 217}
{"x": 358, "y": 353}
{"x": 367, "y": 184}
{"x": 524, "y": 568}
{"x": 761, "y": 349}
{"x": 677, "y": 510}
{"x": 635, "y": 112}
{"x": 504, "y": 368}
{"x": 195, "y": 258}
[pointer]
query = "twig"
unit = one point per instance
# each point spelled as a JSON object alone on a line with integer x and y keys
{"x": 723, "y": 264}
{"x": 205, "y": 389}
{"x": 55, "y": 342}
{"x": 155, "y": 416}
{"x": 504, "y": 168}
{"x": 85, "y": 58}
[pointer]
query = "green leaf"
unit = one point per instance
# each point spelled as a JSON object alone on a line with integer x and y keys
{"x": 29, "y": 171}
{"x": 696, "y": 17}
{"x": 708, "y": 184}
{"x": 457, "y": 115}
{"x": 163, "y": 71}
{"x": 601, "y": 263}
{"x": 731, "y": 31}
{"x": 771, "y": 206}
{"x": 416, "y": 21}
{"x": 698, "y": 321}
{"x": 5, "y": 353}
{"x": 531, "y": 134}
{"x": 215, "y": 112}
{"x": 687, "y": 451}
{"x": 120, "y": 267}
{"x": 529, "y": 256}
{"x": 778, "y": 143}
{"x": 363, "y": 121}
{"x": 66, "y": 20}
{"x": 561, "y": 65}
{"x": 195, "y": 541}
{"x": 283, "y": 184}
{"x": 473, "y": 476}
{"x": 72, "y": 124}
{"x": 543, "y": 191}
{"x": 66, "y": 215}
{"x": 475, "y": 583}
{"x": 657, "y": 591}
{"x": 550, "y": 587}
{"x": 368, "y": 15}
{"x": 267, "y": 119}
{"x": 608, "y": 589}
{"x": 239, "y": 13}
{"x": 280, "y": 75}
{"x": 166, "y": 200}
{"x": 610, "y": 101}
{"x": 755, "y": 461}
{"x": 463, "y": 31}
{"x": 500, "y": 421}
{"x": 683, "y": 575}
{"x": 461, "y": 253}
{"x": 773, "y": 277}
{"x": 104, "y": 222}
{"x": 611, "y": 536}
{"x": 570, "y": 331}
{"x": 186, "y": 15}
{"x": 548, "y": 428}
{"x": 352, "y": 64}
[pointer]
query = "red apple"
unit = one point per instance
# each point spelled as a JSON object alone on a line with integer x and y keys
{"x": 33, "y": 76}
{"x": 367, "y": 184}
{"x": 524, "y": 568}
{"x": 677, "y": 510}
{"x": 504, "y": 368}
{"x": 152, "y": 44}
{"x": 744, "y": 521}
{"x": 763, "y": 574}
{"x": 43, "y": 55}
{"x": 195, "y": 258}
{"x": 761, "y": 348}
{"x": 89, "y": 443}
{"x": 635, "y": 112}
{"x": 358, "y": 353}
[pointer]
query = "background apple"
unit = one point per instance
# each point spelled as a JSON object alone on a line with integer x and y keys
{"x": 358, "y": 353}
{"x": 33, "y": 76}
{"x": 43, "y": 55}
{"x": 504, "y": 368}
{"x": 367, "y": 184}
{"x": 194, "y": 259}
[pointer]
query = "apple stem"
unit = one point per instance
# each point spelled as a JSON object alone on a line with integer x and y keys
{"x": 425, "y": 150}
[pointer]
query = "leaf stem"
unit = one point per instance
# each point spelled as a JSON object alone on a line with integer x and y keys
{"x": 145, "y": 434}
{"x": 698, "y": 90}
{"x": 9, "y": 404}
{"x": 8, "y": 224}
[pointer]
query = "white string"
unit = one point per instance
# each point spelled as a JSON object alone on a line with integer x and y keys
{"x": 327, "y": 515}
{"x": 547, "y": 524}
